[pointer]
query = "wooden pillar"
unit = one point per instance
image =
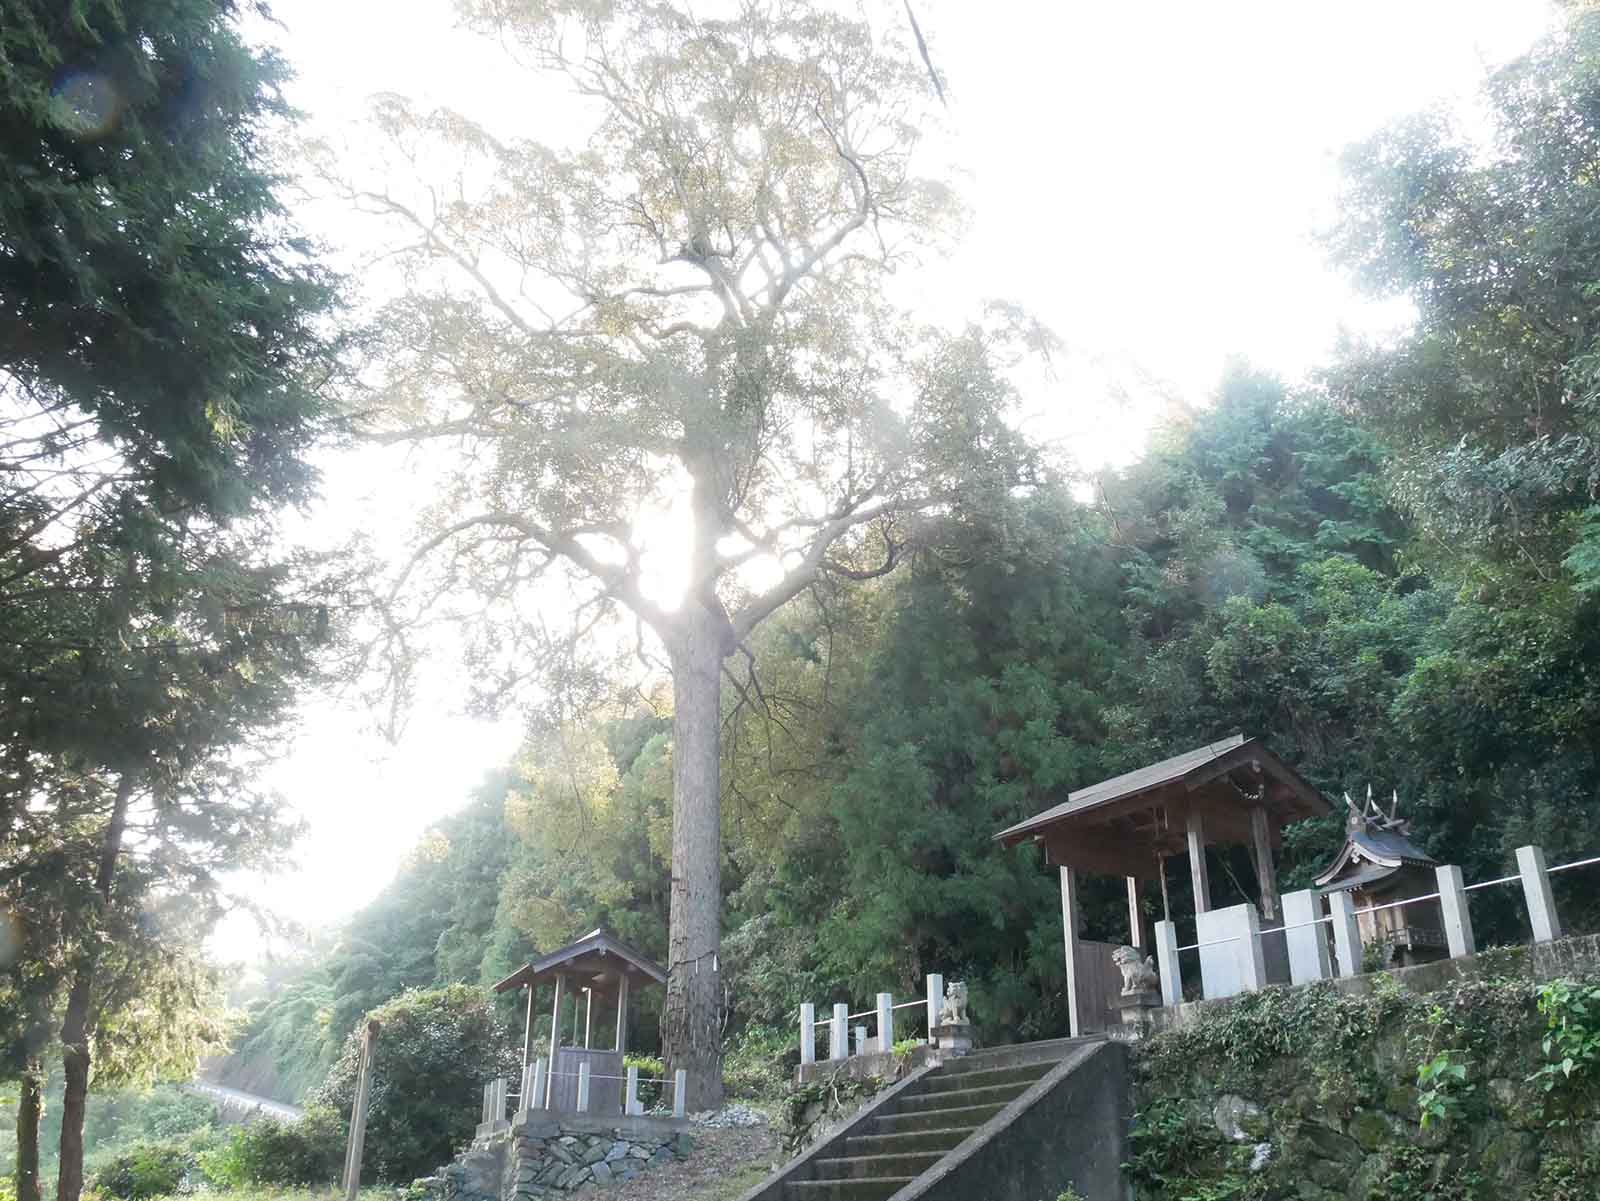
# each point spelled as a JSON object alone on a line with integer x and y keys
{"x": 622, "y": 1012}
{"x": 1069, "y": 934}
{"x": 355, "y": 1147}
{"x": 1266, "y": 873}
{"x": 527, "y": 1036}
{"x": 1197, "y": 863}
{"x": 1166, "y": 899}
{"x": 555, "y": 1043}
{"x": 1135, "y": 918}
{"x": 588, "y": 1016}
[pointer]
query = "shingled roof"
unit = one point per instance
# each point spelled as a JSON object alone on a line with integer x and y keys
{"x": 598, "y": 953}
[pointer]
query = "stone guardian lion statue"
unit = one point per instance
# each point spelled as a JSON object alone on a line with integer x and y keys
{"x": 1138, "y": 975}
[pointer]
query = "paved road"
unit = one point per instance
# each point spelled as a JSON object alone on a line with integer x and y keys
{"x": 241, "y": 1101}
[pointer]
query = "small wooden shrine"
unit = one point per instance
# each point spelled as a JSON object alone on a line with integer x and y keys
{"x": 1378, "y": 865}
{"x": 1232, "y": 791}
{"x": 597, "y": 973}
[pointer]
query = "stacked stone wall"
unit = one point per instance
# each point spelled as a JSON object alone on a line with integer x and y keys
{"x": 547, "y": 1156}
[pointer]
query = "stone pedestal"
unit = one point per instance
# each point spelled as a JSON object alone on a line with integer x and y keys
{"x": 1137, "y": 1010}
{"x": 953, "y": 1040}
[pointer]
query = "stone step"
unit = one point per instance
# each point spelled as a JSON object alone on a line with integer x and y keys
{"x": 908, "y": 1141}
{"x": 1022, "y": 1073}
{"x": 863, "y": 1167}
{"x": 963, "y": 1098}
{"x": 968, "y": 1116}
{"x": 1052, "y": 1051}
{"x": 880, "y": 1189}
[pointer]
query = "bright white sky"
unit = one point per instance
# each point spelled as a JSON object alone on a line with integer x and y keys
{"x": 1146, "y": 178}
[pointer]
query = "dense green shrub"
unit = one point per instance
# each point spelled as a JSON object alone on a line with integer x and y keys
{"x": 652, "y": 1072}
{"x": 760, "y": 1062}
{"x": 435, "y": 1051}
{"x": 144, "y": 1170}
{"x": 268, "y": 1151}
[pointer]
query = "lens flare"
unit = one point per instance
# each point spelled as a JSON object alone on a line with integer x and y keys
{"x": 87, "y": 104}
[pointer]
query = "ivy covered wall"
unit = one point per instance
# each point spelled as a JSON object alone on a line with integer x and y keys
{"x": 1487, "y": 1088}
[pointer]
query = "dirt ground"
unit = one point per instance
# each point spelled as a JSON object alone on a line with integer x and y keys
{"x": 724, "y": 1164}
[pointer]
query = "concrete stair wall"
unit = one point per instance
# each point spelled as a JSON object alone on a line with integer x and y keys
{"x": 1009, "y": 1124}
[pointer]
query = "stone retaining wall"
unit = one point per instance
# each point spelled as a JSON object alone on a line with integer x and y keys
{"x": 544, "y": 1156}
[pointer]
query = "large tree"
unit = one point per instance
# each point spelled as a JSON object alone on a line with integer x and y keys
{"x": 683, "y": 317}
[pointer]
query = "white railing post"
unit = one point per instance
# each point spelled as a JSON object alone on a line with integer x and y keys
{"x": 630, "y": 1099}
{"x": 1346, "y": 933}
{"x": 1303, "y": 937}
{"x": 1536, "y": 889}
{"x": 539, "y": 1066}
{"x": 861, "y": 1039}
{"x": 1167, "y": 963}
{"x": 525, "y": 1089}
{"x": 680, "y": 1086}
{"x": 1457, "y": 921}
{"x": 583, "y": 1086}
{"x": 885, "y": 1022}
{"x": 502, "y": 1090}
{"x": 1252, "y": 961}
{"x": 838, "y": 1035}
{"x": 935, "y": 1002}
{"x": 483, "y": 1116}
{"x": 808, "y": 1033}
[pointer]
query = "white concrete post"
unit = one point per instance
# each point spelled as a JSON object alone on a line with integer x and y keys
{"x": 483, "y": 1115}
{"x": 680, "y": 1088}
{"x": 630, "y": 1099}
{"x": 1252, "y": 962}
{"x": 525, "y": 1090}
{"x": 838, "y": 1034}
{"x": 808, "y": 1032}
{"x": 1307, "y": 944}
{"x": 935, "y": 1002}
{"x": 1346, "y": 933}
{"x": 538, "y": 1084}
{"x": 885, "y": 1022}
{"x": 583, "y": 1085}
{"x": 861, "y": 1039}
{"x": 1457, "y": 921}
{"x": 1167, "y": 962}
{"x": 1536, "y": 889}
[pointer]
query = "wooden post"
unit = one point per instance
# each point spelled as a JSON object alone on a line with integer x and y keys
{"x": 622, "y": 1012}
{"x": 1135, "y": 918}
{"x": 1266, "y": 873}
{"x": 555, "y": 1045}
{"x": 588, "y": 1016}
{"x": 527, "y": 1038}
{"x": 1197, "y": 863}
{"x": 1166, "y": 900}
{"x": 358, "y": 1115}
{"x": 1069, "y": 934}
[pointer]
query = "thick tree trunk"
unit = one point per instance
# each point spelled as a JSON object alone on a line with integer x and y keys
{"x": 691, "y": 1023}
{"x": 30, "y": 1108}
{"x": 75, "y": 1025}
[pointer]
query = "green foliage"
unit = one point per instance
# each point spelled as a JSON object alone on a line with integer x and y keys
{"x": 1441, "y": 1087}
{"x": 144, "y": 1171}
{"x": 309, "y": 1150}
{"x": 1570, "y": 1077}
{"x": 652, "y": 1072}
{"x": 436, "y": 1050}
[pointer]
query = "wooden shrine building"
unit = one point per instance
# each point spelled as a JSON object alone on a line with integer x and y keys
{"x": 1379, "y": 865}
{"x": 598, "y": 973}
{"x": 1232, "y": 791}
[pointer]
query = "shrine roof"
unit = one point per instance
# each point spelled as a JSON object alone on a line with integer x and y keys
{"x": 597, "y": 954}
{"x": 1179, "y": 778}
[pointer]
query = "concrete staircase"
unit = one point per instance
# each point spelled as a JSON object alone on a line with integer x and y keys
{"x": 916, "y": 1139}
